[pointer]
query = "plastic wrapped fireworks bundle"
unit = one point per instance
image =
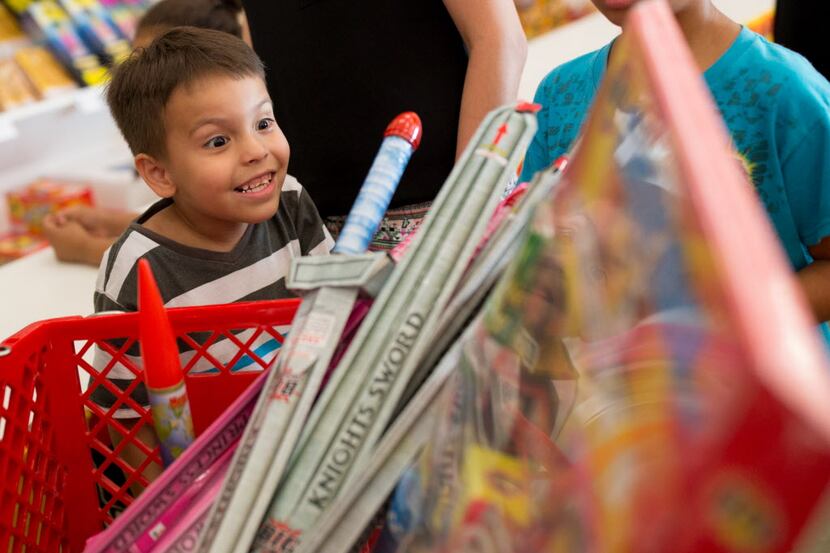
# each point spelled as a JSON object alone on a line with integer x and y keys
{"x": 331, "y": 286}
{"x": 361, "y": 401}
{"x": 623, "y": 389}
{"x": 352, "y": 518}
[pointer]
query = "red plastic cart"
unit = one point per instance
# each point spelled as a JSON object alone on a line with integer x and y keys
{"x": 61, "y": 479}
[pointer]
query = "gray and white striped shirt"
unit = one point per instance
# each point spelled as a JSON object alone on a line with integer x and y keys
{"x": 254, "y": 270}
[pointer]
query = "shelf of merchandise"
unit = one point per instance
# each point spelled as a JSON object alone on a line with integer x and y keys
{"x": 87, "y": 99}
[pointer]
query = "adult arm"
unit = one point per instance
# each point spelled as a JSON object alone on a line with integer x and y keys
{"x": 497, "y": 50}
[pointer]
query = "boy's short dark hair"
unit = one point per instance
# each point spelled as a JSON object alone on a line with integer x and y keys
{"x": 142, "y": 85}
{"x": 221, "y": 15}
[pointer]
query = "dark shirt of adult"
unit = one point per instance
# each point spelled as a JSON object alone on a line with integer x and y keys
{"x": 340, "y": 70}
{"x": 800, "y": 27}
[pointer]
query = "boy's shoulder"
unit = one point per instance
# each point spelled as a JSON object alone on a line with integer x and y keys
{"x": 297, "y": 218}
{"x": 761, "y": 87}
{"x": 293, "y": 193}
{"x": 776, "y": 56}
{"x": 291, "y": 185}
{"x": 116, "y": 286}
{"x": 135, "y": 241}
{"x": 294, "y": 200}
{"x": 585, "y": 71}
{"x": 794, "y": 76}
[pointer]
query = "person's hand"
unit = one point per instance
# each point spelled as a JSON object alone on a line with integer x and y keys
{"x": 72, "y": 242}
{"x": 96, "y": 221}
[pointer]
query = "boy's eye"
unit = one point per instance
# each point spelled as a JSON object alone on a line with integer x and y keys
{"x": 265, "y": 124}
{"x": 216, "y": 142}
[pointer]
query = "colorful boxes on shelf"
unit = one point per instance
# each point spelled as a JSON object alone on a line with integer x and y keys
{"x": 15, "y": 89}
{"x": 97, "y": 29}
{"x": 48, "y": 19}
{"x": 29, "y": 206}
{"x": 27, "y": 72}
{"x": 15, "y": 245}
{"x": 9, "y": 29}
{"x": 126, "y": 14}
{"x": 46, "y": 76}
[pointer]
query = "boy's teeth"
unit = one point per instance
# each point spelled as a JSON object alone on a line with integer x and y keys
{"x": 257, "y": 185}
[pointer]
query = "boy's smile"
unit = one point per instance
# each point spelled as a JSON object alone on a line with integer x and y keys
{"x": 257, "y": 185}
{"x": 226, "y": 160}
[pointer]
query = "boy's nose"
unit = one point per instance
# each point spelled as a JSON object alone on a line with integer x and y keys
{"x": 253, "y": 151}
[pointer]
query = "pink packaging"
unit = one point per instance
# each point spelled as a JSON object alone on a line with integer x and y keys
{"x": 188, "y": 483}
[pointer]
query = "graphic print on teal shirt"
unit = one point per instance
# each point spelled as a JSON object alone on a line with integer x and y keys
{"x": 566, "y": 95}
{"x": 777, "y": 110}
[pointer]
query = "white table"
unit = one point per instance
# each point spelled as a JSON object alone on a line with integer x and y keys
{"x": 40, "y": 287}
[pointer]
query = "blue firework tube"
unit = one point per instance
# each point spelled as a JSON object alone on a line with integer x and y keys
{"x": 172, "y": 420}
{"x": 401, "y": 138}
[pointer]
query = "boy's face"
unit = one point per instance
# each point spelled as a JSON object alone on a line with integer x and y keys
{"x": 616, "y": 10}
{"x": 226, "y": 155}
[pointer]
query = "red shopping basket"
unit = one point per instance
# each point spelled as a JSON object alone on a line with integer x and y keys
{"x": 62, "y": 479}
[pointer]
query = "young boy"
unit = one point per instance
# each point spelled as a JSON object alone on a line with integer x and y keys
{"x": 195, "y": 112}
{"x": 777, "y": 110}
{"x": 81, "y": 234}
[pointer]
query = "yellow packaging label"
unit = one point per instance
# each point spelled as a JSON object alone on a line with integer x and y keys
{"x": 19, "y": 6}
{"x": 9, "y": 29}
{"x": 119, "y": 51}
{"x": 95, "y": 76}
{"x": 499, "y": 480}
{"x": 43, "y": 70}
{"x": 88, "y": 4}
{"x": 15, "y": 89}
{"x": 53, "y": 11}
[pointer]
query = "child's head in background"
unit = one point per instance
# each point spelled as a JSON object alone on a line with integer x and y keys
{"x": 194, "y": 110}
{"x": 220, "y": 15}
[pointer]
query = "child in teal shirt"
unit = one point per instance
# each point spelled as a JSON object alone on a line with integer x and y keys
{"x": 775, "y": 105}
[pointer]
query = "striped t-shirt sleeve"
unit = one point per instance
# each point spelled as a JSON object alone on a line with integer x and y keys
{"x": 115, "y": 287}
{"x": 116, "y": 290}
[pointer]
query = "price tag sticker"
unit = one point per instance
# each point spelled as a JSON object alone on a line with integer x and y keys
{"x": 316, "y": 330}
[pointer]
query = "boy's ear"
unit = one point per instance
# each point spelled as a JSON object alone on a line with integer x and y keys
{"x": 155, "y": 174}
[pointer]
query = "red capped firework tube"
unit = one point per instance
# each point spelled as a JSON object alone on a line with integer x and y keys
{"x": 162, "y": 370}
{"x": 402, "y": 137}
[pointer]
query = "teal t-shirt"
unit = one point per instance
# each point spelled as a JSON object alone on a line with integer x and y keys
{"x": 776, "y": 107}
